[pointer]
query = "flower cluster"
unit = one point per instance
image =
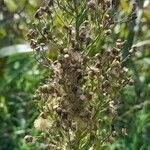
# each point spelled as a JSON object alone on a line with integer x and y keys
{"x": 78, "y": 103}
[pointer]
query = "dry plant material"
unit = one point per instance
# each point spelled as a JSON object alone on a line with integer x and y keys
{"x": 77, "y": 105}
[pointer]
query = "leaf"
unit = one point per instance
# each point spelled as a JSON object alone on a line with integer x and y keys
{"x": 2, "y": 32}
{"x": 81, "y": 18}
{"x": 124, "y": 5}
{"x": 10, "y": 5}
{"x": 14, "y": 49}
{"x": 3, "y": 104}
{"x": 147, "y": 11}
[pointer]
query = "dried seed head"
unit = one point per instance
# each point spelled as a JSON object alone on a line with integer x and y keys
{"x": 111, "y": 104}
{"x": 58, "y": 123}
{"x": 120, "y": 44}
{"x": 86, "y": 22}
{"x": 49, "y": 2}
{"x": 91, "y": 5}
{"x": 33, "y": 43}
{"x": 64, "y": 115}
{"x": 42, "y": 124}
{"x": 43, "y": 115}
{"x": 114, "y": 133}
{"x": 108, "y": 32}
{"x": 77, "y": 81}
{"x": 131, "y": 82}
{"x": 58, "y": 110}
{"x": 47, "y": 147}
{"x": 36, "y": 96}
{"x": 83, "y": 97}
{"x": 98, "y": 55}
{"x": 98, "y": 65}
{"x": 124, "y": 132}
{"x": 83, "y": 36}
{"x": 65, "y": 50}
{"x": 38, "y": 49}
{"x": 69, "y": 29}
{"x": 44, "y": 88}
{"x": 39, "y": 13}
{"x": 32, "y": 34}
{"x": 105, "y": 84}
{"x": 88, "y": 40}
{"x": 115, "y": 63}
{"x": 79, "y": 70}
{"x": 28, "y": 139}
{"x": 115, "y": 51}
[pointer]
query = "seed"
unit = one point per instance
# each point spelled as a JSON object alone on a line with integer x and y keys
{"x": 66, "y": 56}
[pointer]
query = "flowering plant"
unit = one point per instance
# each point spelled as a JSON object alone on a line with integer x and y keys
{"x": 78, "y": 103}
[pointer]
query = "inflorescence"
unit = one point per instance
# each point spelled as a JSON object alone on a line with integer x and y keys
{"x": 77, "y": 105}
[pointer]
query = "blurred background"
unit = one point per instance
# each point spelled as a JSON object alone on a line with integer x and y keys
{"x": 20, "y": 75}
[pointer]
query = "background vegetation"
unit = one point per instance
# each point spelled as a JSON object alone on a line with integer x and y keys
{"x": 20, "y": 74}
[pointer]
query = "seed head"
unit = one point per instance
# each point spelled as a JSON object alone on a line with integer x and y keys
{"x": 42, "y": 124}
{"x": 28, "y": 138}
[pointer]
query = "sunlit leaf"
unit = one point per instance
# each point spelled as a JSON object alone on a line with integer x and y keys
{"x": 14, "y": 49}
{"x": 124, "y": 5}
{"x": 147, "y": 12}
{"x": 11, "y": 5}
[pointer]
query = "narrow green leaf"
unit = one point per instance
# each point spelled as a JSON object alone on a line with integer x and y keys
{"x": 14, "y": 49}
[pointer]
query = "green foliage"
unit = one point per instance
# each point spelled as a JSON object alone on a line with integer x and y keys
{"x": 18, "y": 80}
